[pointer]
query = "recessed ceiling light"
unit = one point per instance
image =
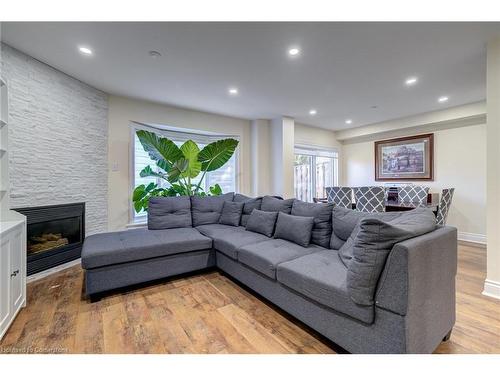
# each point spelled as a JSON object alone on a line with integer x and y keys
{"x": 154, "y": 54}
{"x": 313, "y": 112}
{"x": 233, "y": 91}
{"x": 294, "y": 51}
{"x": 348, "y": 121}
{"x": 85, "y": 50}
{"x": 410, "y": 81}
{"x": 443, "y": 99}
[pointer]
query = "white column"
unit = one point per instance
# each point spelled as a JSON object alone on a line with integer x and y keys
{"x": 492, "y": 283}
{"x": 260, "y": 150}
{"x": 282, "y": 156}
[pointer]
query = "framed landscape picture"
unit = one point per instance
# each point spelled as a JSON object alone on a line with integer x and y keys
{"x": 404, "y": 159}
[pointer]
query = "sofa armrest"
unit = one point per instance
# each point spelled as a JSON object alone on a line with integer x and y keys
{"x": 419, "y": 272}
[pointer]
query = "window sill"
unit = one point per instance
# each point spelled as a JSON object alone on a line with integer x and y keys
{"x": 137, "y": 223}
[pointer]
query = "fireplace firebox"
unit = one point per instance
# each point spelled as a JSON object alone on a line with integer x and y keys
{"x": 54, "y": 234}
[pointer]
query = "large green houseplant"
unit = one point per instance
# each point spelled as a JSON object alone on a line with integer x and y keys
{"x": 179, "y": 166}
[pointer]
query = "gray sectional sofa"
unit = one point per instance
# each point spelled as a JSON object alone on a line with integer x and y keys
{"x": 371, "y": 283}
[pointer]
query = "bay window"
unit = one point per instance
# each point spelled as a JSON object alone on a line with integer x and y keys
{"x": 226, "y": 176}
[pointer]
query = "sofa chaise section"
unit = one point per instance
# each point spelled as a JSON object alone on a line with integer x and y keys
{"x": 136, "y": 244}
{"x": 118, "y": 259}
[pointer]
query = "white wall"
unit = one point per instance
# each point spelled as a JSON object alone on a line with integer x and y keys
{"x": 459, "y": 162}
{"x": 312, "y": 136}
{"x": 58, "y": 146}
{"x": 122, "y": 111}
{"x": 260, "y": 152}
{"x": 282, "y": 156}
{"x": 492, "y": 282}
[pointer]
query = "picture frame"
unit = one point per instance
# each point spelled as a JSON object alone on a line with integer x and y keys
{"x": 405, "y": 159}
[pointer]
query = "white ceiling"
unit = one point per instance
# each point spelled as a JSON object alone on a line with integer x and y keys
{"x": 343, "y": 70}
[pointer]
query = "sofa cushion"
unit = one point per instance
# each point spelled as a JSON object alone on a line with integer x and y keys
{"x": 249, "y": 205}
{"x": 274, "y": 204}
{"x": 344, "y": 221}
{"x": 321, "y": 277}
{"x": 372, "y": 245}
{"x": 231, "y": 213}
{"x": 264, "y": 257}
{"x": 228, "y": 239}
{"x": 322, "y": 213}
{"x": 346, "y": 226}
{"x": 207, "y": 210}
{"x": 262, "y": 222}
{"x": 105, "y": 249}
{"x": 296, "y": 229}
{"x": 169, "y": 212}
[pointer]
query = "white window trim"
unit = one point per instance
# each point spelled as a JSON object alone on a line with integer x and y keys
{"x": 171, "y": 133}
{"x": 314, "y": 151}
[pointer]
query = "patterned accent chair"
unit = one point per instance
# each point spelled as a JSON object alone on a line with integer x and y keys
{"x": 413, "y": 194}
{"x": 370, "y": 198}
{"x": 339, "y": 196}
{"x": 444, "y": 206}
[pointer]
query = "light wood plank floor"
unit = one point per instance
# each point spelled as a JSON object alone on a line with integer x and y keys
{"x": 210, "y": 313}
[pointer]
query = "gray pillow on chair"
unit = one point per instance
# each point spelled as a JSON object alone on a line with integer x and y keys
{"x": 231, "y": 213}
{"x": 262, "y": 222}
{"x": 169, "y": 212}
{"x": 296, "y": 229}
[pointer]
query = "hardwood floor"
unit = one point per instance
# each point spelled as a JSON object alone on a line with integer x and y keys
{"x": 210, "y": 313}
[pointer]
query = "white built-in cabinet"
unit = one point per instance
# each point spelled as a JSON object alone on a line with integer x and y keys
{"x": 12, "y": 233}
{"x": 12, "y": 271}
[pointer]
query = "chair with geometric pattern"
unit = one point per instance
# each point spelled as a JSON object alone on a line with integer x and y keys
{"x": 370, "y": 198}
{"x": 413, "y": 194}
{"x": 444, "y": 206}
{"x": 339, "y": 196}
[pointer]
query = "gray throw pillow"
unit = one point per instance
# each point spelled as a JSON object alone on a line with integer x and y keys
{"x": 344, "y": 221}
{"x": 373, "y": 244}
{"x": 297, "y": 229}
{"x": 169, "y": 212}
{"x": 231, "y": 213}
{"x": 249, "y": 205}
{"x": 262, "y": 222}
{"x": 274, "y": 204}
{"x": 207, "y": 210}
{"x": 345, "y": 224}
{"x": 322, "y": 213}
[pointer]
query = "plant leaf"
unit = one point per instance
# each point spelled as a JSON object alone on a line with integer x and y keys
{"x": 138, "y": 205}
{"x": 178, "y": 168}
{"x": 216, "y": 154}
{"x": 215, "y": 190}
{"x": 150, "y": 187}
{"x": 162, "y": 164}
{"x": 177, "y": 189}
{"x": 190, "y": 151}
{"x": 148, "y": 172}
{"x": 159, "y": 148}
{"x": 139, "y": 193}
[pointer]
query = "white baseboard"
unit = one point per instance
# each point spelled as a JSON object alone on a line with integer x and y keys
{"x": 491, "y": 289}
{"x": 41, "y": 275}
{"x": 475, "y": 238}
